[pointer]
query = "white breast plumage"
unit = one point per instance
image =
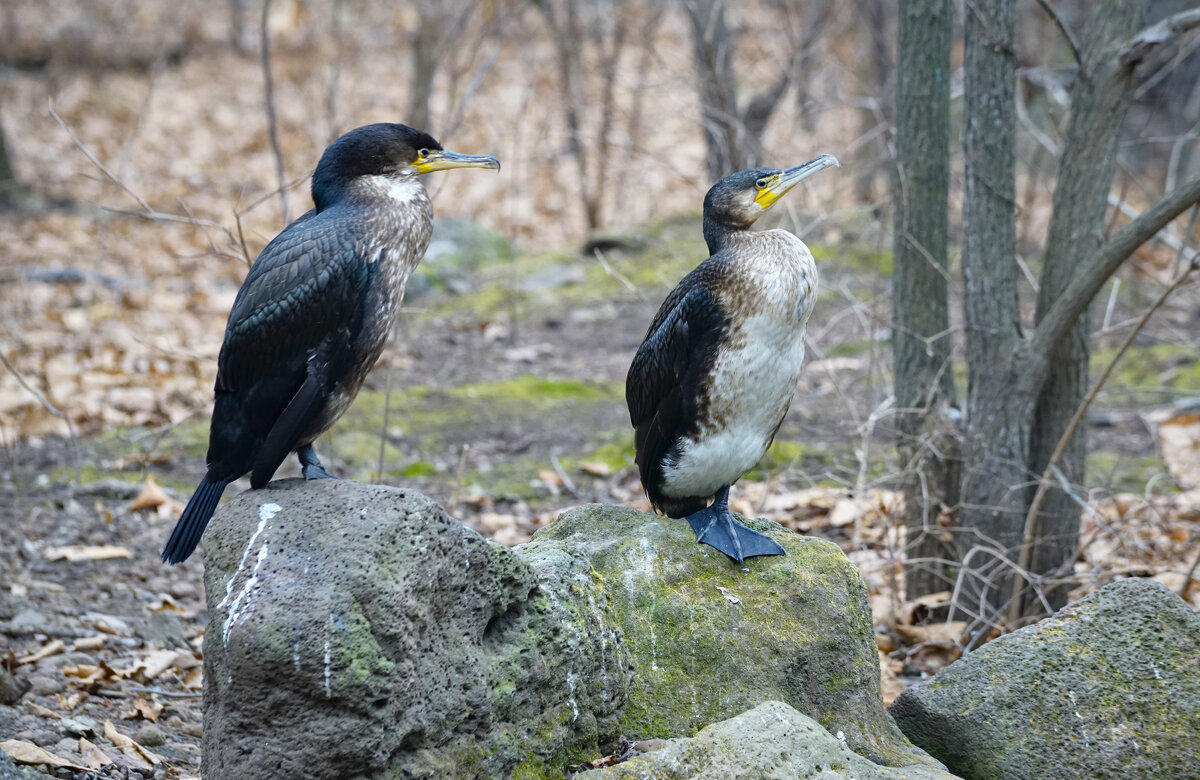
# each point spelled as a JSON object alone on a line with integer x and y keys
{"x": 756, "y": 369}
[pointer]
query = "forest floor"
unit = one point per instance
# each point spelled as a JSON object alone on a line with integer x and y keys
{"x": 502, "y": 396}
{"x": 504, "y": 401}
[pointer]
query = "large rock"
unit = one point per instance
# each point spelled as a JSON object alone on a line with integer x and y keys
{"x": 1107, "y": 688}
{"x": 711, "y": 639}
{"x": 770, "y": 742}
{"x": 360, "y": 631}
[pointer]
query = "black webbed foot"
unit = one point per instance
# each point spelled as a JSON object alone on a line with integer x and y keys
{"x": 717, "y": 528}
{"x": 311, "y": 465}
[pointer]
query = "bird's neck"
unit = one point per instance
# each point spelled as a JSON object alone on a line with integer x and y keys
{"x": 720, "y": 233}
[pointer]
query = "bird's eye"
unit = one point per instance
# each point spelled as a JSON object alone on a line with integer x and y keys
{"x": 422, "y": 154}
{"x": 760, "y": 183}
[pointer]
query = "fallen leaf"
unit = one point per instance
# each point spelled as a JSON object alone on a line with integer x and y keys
{"x": 193, "y": 679}
{"x": 124, "y": 742}
{"x": 732, "y": 599}
{"x": 1179, "y": 438}
{"x": 42, "y": 712}
{"x": 80, "y": 552}
{"x": 89, "y": 643}
{"x": 950, "y": 632}
{"x": 151, "y": 497}
{"x": 157, "y": 663}
{"x": 596, "y": 469}
{"x": 889, "y": 684}
{"x": 50, "y": 648}
{"x": 93, "y": 757}
{"x": 148, "y": 709}
{"x": 28, "y": 753}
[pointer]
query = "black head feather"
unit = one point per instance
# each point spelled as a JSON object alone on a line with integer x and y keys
{"x": 729, "y": 205}
{"x": 371, "y": 150}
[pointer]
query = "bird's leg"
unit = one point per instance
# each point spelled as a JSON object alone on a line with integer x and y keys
{"x": 716, "y": 527}
{"x": 311, "y": 465}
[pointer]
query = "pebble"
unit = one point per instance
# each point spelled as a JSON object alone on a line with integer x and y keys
{"x": 149, "y": 736}
{"x": 44, "y": 736}
{"x": 26, "y": 621}
{"x": 45, "y": 685}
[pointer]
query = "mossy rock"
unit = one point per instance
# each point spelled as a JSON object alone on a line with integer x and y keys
{"x": 711, "y": 639}
{"x": 1107, "y": 688}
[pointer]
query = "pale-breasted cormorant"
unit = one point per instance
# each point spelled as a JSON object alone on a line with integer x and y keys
{"x": 315, "y": 311}
{"x": 709, "y": 386}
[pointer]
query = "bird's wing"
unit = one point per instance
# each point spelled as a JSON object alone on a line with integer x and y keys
{"x": 307, "y": 282}
{"x": 659, "y": 388}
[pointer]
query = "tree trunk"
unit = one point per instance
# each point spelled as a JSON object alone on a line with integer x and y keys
{"x": 712, "y": 49}
{"x": 8, "y": 178}
{"x": 927, "y": 440}
{"x": 1099, "y": 100}
{"x": 997, "y": 422}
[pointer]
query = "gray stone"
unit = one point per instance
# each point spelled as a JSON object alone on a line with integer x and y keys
{"x": 12, "y": 688}
{"x": 27, "y": 621}
{"x": 1108, "y": 687}
{"x": 359, "y": 631}
{"x": 150, "y": 735}
{"x": 10, "y": 771}
{"x": 711, "y": 639}
{"x": 46, "y": 685}
{"x": 770, "y": 742}
{"x": 164, "y": 629}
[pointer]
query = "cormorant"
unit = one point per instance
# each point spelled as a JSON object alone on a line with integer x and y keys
{"x": 711, "y": 382}
{"x": 315, "y": 310}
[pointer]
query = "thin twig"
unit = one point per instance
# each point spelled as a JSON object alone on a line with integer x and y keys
{"x": 272, "y": 123}
{"x": 1062, "y": 27}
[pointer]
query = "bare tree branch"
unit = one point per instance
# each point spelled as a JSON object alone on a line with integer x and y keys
{"x": 1089, "y": 279}
{"x": 272, "y": 122}
{"x": 1155, "y": 35}
{"x": 1062, "y": 27}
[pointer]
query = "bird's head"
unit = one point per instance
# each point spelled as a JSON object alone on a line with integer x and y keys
{"x": 388, "y": 150}
{"x": 736, "y": 201}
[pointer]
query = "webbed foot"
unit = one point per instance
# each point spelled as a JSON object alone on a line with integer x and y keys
{"x": 717, "y": 528}
{"x": 311, "y": 465}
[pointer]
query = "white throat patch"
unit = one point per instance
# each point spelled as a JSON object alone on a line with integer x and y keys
{"x": 402, "y": 189}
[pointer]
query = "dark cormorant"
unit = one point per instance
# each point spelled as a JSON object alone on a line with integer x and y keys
{"x": 709, "y": 386}
{"x": 315, "y": 310}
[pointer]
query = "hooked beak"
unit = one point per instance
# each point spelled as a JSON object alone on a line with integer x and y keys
{"x": 780, "y": 183}
{"x": 442, "y": 160}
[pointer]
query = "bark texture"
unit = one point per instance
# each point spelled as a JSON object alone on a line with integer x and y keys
{"x": 1099, "y": 100}
{"x": 927, "y": 436}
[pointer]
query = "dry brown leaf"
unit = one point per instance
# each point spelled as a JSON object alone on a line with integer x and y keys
{"x": 151, "y": 497}
{"x": 1179, "y": 438}
{"x": 71, "y": 701}
{"x": 42, "y": 712}
{"x": 52, "y": 647}
{"x": 148, "y": 709}
{"x": 889, "y": 684}
{"x": 917, "y": 611}
{"x": 549, "y": 477}
{"x": 93, "y": 757}
{"x": 124, "y": 742}
{"x": 158, "y": 662}
{"x": 89, "y": 643}
{"x": 732, "y": 599}
{"x": 596, "y": 469}
{"x": 23, "y": 752}
{"x": 85, "y": 552}
{"x": 193, "y": 679}
{"x": 948, "y": 632}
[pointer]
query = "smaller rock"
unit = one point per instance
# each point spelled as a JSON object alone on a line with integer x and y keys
{"x": 149, "y": 735}
{"x": 27, "y": 621}
{"x": 46, "y": 685}
{"x": 81, "y": 726}
{"x": 770, "y": 742}
{"x": 45, "y": 737}
{"x": 165, "y": 630}
{"x": 12, "y": 688}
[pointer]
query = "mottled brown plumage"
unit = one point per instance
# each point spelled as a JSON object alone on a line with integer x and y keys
{"x": 711, "y": 383}
{"x": 315, "y": 311}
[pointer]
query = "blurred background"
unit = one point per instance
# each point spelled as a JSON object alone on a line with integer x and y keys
{"x": 150, "y": 150}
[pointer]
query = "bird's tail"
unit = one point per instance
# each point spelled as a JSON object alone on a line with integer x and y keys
{"x": 194, "y": 520}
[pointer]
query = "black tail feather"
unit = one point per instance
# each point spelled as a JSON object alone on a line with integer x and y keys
{"x": 193, "y": 521}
